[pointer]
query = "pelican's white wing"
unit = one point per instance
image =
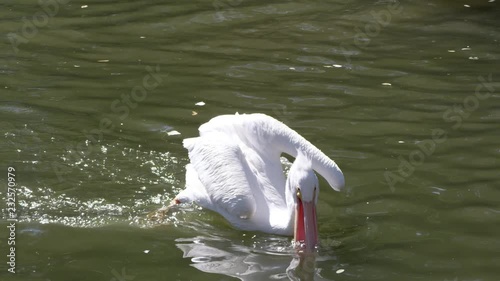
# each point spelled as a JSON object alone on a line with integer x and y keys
{"x": 219, "y": 166}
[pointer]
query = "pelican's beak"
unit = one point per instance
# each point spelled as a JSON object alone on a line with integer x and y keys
{"x": 306, "y": 230}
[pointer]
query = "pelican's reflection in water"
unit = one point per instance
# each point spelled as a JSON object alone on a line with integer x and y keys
{"x": 302, "y": 267}
{"x": 222, "y": 256}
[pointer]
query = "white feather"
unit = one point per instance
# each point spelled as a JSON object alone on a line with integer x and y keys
{"x": 236, "y": 171}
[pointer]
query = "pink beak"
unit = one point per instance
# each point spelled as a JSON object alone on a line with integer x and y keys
{"x": 306, "y": 229}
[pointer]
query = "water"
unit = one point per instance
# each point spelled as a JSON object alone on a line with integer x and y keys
{"x": 403, "y": 95}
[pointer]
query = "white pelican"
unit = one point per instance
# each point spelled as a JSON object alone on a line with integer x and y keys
{"x": 235, "y": 170}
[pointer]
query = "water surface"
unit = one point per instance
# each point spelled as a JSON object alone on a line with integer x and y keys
{"x": 98, "y": 95}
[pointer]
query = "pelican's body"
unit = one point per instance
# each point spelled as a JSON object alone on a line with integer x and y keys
{"x": 235, "y": 170}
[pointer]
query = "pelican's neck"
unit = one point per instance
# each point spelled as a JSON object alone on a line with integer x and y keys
{"x": 290, "y": 197}
{"x": 252, "y": 129}
{"x": 284, "y": 139}
{"x": 283, "y": 220}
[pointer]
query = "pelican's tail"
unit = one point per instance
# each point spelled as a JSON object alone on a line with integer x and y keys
{"x": 194, "y": 191}
{"x": 189, "y": 143}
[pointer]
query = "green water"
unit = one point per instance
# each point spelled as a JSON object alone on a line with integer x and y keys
{"x": 404, "y": 96}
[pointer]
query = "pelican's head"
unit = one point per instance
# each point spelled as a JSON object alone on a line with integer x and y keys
{"x": 304, "y": 188}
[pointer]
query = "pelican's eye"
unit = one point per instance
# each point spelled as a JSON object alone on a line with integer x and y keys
{"x": 299, "y": 194}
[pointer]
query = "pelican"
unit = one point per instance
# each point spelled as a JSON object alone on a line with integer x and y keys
{"x": 235, "y": 170}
